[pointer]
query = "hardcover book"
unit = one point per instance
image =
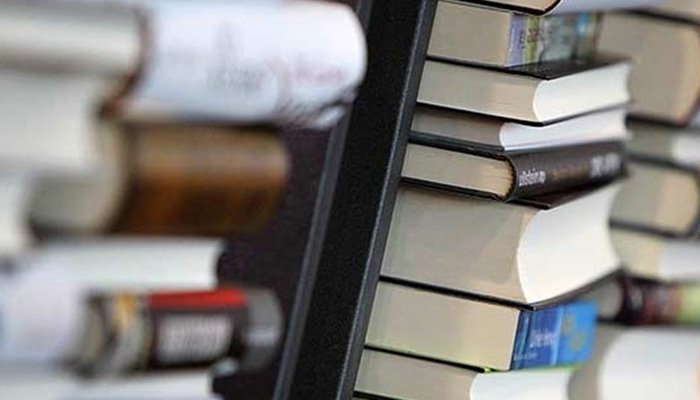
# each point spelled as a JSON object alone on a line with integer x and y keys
{"x": 498, "y": 134}
{"x": 472, "y": 332}
{"x": 506, "y": 251}
{"x": 535, "y": 93}
{"x": 396, "y": 376}
{"x": 656, "y": 257}
{"x": 242, "y": 61}
{"x": 539, "y": 7}
{"x": 640, "y": 363}
{"x": 660, "y": 197}
{"x": 20, "y": 383}
{"x": 663, "y": 81}
{"x": 683, "y": 9}
{"x": 218, "y": 181}
{"x": 641, "y": 302}
{"x": 479, "y": 35}
{"x": 677, "y": 145}
{"x": 511, "y": 175}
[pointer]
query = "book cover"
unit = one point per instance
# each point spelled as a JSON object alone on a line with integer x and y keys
{"x": 552, "y": 38}
{"x": 560, "y": 335}
{"x": 643, "y": 302}
{"x": 543, "y": 172}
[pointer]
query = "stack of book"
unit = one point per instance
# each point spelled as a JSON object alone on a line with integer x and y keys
{"x": 656, "y": 217}
{"x": 502, "y": 216}
{"x": 135, "y": 136}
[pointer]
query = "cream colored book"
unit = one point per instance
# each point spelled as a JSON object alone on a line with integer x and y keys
{"x": 507, "y": 251}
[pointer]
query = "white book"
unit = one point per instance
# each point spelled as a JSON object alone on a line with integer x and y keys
{"x": 642, "y": 364}
{"x": 24, "y": 384}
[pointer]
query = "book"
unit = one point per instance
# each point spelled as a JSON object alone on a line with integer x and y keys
{"x": 642, "y": 302}
{"x": 679, "y": 145}
{"x": 506, "y": 251}
{"x": 659, "y": 197}
{"x": 64, "y": 272}
{"x": 119, "y": 262}
{"x": 21, "y": 383}
{"x": 15, "y": 191}
{"x": 506, "y": 135}
{"x": 640, "y": 363}
{"x": 511, "y": 175}
{"x": 218, "y": 181}
{"x": 539, "y": 7}
{"x": 651, "y": 256}
{"x": 682, "y": 9}
{"x": 663, "y": 81}
{"x": 469, "y": 331}
{"x": 106, "y": 333}
{"x": 397, "y": 376}
{"x": 535, "y": 93}
{"x": 70, "y": 37}
{"x": 251, "y": 62}
{"x": 61, "y": 140}
{"x": 488, "y": 36}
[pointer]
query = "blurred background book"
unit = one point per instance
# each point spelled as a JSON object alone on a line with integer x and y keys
{"x": 383, "y": 200}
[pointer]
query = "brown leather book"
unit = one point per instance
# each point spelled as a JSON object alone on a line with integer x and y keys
{"x": 169, "y": 179}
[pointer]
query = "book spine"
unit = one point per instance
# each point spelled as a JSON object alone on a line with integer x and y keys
{"x": 554, "y": 171}
{"x": 653, "y": 303}
{"x": 552, "y": 38}
{"x": 241, "y": 62}
{"x": 201, "y": 181}
{"x": 561, "y": 335}
{"x": 173, "y": 330}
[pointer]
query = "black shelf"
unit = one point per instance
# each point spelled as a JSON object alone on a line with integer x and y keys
{"x": 323, "y": 253}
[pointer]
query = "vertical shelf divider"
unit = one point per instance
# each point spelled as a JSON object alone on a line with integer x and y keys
{"x": 368, "y": 179}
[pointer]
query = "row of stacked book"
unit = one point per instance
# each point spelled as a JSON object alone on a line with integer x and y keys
{"x": 536, "y": 234}
{"x": 136, "y": 136}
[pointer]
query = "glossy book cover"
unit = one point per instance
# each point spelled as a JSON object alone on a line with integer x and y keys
{"x": 560, "y": 335}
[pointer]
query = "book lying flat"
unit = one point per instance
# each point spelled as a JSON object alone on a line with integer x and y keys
{"x": 191, "y": 67}
{"x": 506, "y": 251}
{"x": 678, "y": 145}
{"x": 40, "y": 384}
{"x": 479, "y": 35}
{"x": 511, "y": 175}
{"x": 401, "y": 377}
{"x": 659, "y": 197}
{"x": 537, "y": 93}
{"x": 52, "y": 120}
{"x": 663, "y": 82}
{"x": 505, "y": 135}
{"x": 15, "y": 233}
{"x": 236, "y": 174}
{"x": 640, "y": 363}
{"x": 469, "y": 331}
{"x": 641, "y": 302}
{"x": 682, "y": 9}
{"x": 651, "y": 256}
{"x": 562, "y": 6}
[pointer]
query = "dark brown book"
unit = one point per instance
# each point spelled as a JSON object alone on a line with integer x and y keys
{"x": 539, "y": 7}
{"x": 510, "y": 175}
{"x": 170, "y": 180}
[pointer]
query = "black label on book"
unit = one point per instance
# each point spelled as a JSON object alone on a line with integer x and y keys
{"x": 558, "y": 170}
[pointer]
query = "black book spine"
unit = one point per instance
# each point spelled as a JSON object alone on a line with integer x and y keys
{"x": 562, "y": 169}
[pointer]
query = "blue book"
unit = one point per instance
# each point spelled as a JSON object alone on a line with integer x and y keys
{"x": 468, "y": 331}
{"x": 560, "y": 335}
